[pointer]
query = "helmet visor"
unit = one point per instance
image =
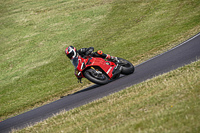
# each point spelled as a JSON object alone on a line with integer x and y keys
{"x": 71, "y": 54}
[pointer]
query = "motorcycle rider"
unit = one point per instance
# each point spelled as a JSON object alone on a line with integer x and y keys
{"x": 73, "y": 54}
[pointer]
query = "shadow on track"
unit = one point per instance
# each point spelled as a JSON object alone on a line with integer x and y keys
{"x": 83, "y": 90}
{"x": 90, "y": 87}
{"x": 86, "y": 89}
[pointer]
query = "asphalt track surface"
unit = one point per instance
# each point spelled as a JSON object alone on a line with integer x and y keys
{"x": 183, "y": 54}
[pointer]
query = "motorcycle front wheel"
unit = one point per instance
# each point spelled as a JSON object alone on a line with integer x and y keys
{"x": 96, "y": 76}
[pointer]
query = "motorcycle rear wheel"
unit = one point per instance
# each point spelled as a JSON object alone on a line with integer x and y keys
{"x": 93, "y": 76}
{"x": 127, "y": 67}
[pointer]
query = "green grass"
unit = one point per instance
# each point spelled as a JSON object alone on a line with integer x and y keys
{"x": 34, "y": 35}
{"x": 167, "y": 103}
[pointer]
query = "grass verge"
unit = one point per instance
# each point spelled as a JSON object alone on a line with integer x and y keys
{"x": 167, "y": 103}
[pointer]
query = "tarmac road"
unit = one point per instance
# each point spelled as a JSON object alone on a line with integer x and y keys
{"x": 183, "y": 54}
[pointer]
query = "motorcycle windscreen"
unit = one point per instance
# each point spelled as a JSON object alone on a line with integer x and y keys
{"x": 74, "y": 61}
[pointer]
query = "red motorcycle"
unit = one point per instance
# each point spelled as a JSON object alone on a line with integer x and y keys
{"x": 101, "y": 71}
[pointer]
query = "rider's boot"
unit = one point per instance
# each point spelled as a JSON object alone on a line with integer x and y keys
{"x": 112, "y": 58}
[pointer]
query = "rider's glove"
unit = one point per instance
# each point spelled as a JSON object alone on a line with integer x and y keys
{"x": 79, "y": 79}
{"x": 114, "y": 59}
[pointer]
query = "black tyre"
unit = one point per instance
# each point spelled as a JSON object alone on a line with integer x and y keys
{"x": 96, "y": 76}
{"x": 127, "y": 67}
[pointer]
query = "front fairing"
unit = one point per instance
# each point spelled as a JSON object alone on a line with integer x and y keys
{"x": 83, "y": 63}
{"x": 106, "y": 66}
{"x": 81, "y": 66}
{"x": 78, "y": 63}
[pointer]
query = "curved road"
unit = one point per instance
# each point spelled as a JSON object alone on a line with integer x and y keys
{"x": 183, "y": 54}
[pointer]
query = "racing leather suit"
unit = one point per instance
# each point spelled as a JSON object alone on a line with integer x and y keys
{"x": 89, "y": 51}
